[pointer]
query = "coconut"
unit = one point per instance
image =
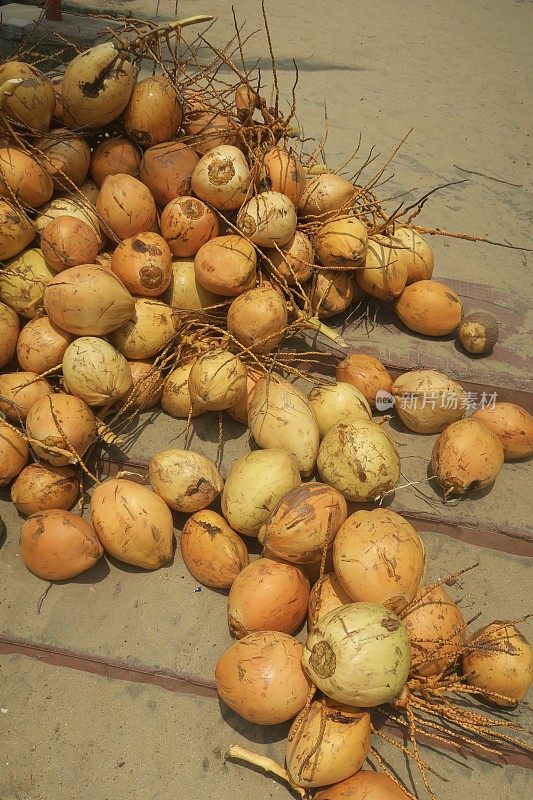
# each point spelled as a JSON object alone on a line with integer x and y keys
{"x": 154, "y": 113}
{"x": 331, "y": 292}
{"x": 342, "y": 243}
{"x": 427, "y": 401}
{"x": 429, "y": 307}
{"x": 94, "y": 371}
{"x": 415, "y": 252}
{"x": 359, "y": 460}
{"x": 88, "y": 300}
{"x": 293, "y": 261}
{"x": 21, "y": 176}
{"x": 324, "y": 196}
{"x": 226, "y": 265}
{"x": 68, "y": 242}
{"x": 32, "y": 101}
{"x": 97, "y": 86}
{"x": 66, "y": 157}
{"x": 78, "y": 207}
{"x": 167, "y": 170}
{"x": 125, "y": 206}
{"x": 185, "y": 293}
{"x": 23, "y": 281}
{"x": 114, "y": 156}
{"x": 337, "y": 402}
{"x": 281, "y": 417}
{"x": 384, "y": 273}
{"x": 16, "y": 230}
{"x": 258, "y": 319}
{"x": 145, "y": 335}
{"x": 268, "y": 219}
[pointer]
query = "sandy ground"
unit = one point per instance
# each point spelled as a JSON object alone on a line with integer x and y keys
{"x": 457, "y": 74}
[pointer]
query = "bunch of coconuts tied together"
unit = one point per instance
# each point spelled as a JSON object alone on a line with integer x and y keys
{"x": 182, "y": 241}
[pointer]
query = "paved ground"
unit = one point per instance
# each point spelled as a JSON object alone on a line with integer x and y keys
{"x": 457, "y": 73}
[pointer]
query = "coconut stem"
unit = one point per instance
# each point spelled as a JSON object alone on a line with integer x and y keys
{"x": 315, "y": 324}
{"x": 194, "y": 20}
{"x": 177, "y": 25}
{"x": 264, "y": 763}
{"x": 6, "y": 89}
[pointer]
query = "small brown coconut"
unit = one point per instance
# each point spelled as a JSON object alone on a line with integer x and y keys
{"x": 478, "y": 332}
{"x": 258, "y": 319}
{"x": 68, "y": 242}
{"x": 366, "y": 373}
{"x": 513, "y": 426}
{"x": 245, "y": 100}
{"x": 430, "y": 308}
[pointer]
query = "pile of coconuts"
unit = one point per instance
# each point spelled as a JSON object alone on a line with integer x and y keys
{"x": 163, "y": 244}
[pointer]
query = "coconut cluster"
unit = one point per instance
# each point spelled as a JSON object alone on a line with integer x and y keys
{"x": 162, "y": 242}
